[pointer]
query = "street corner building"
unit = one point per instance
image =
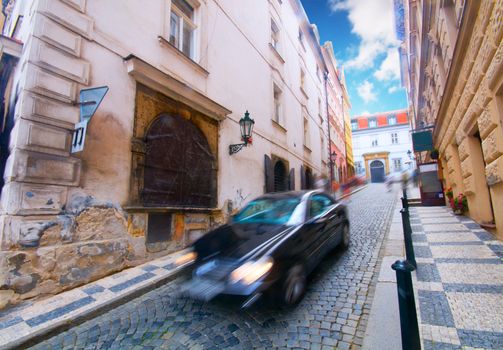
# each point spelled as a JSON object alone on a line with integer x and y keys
{"x": 452, "y": 68}
{"x": 382, "y": 145}
{"x": 153, "y": 169}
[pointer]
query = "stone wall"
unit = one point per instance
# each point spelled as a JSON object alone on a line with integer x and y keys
{"x": 471, "y": 128}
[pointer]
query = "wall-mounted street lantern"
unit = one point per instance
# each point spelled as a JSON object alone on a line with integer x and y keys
{"x": 246, "y": 127}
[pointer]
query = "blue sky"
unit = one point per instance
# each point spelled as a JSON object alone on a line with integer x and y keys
{"x": 362, "y": 33}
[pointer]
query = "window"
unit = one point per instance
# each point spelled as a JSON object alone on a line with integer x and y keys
{"x": 301, "y": 37}
{"x": 274, "y": 35}
{"x": 374, "y": 142}
{"x": 322, "y": 145}
{"x": 372, "y": 122}
{"x": 354, "y": 125}
{"x": 397, "y": 164}
{"x": 359, "y": 168}
{"x": 302, "y": 79}
{"x": 306, "y": 132}
{"x": 394, "y": 138}
{"x": 182, "y": 27}
{"x": 277, "y": 104}
{"x": 318, "y": 72}
{"x": 392, "y": 119}
{"x": 319, "y": 204}
{"x": 319, "y": 107}
{"x": 268, "y": 211}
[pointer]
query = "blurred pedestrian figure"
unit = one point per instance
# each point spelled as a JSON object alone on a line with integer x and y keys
{"x": 405, "y": 179}
{"x": 389, "y": 182}
{"x": 321, "y": 183}
{"x": 415, "y": 177}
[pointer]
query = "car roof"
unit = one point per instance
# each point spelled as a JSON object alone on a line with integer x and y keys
{"x": 291, "y": 194}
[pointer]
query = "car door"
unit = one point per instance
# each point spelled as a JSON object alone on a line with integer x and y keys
{"x": 316, "y": 229}
{"x": 335, "y": 217}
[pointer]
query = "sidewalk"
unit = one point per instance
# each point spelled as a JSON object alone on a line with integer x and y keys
{"x": 458, "y": 284}
{"x": 23, "y": 324}
{"x": 383, "y": 328}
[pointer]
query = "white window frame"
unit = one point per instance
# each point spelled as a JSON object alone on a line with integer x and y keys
{"x": 302, "y": 79}
{"x": 277, "y": 104}
{"x": 375, "y": 143}
{"x": 392, "y": 118}
{"x": 193, "y": 23}
{"x": 373, "y": 120}
{"x": 275, "y": 35}
{"x": 399, "y": 161}
{"x": 354, "y": 125}
{"x": 306, "y": 136}
{"x": 394, "y": 138}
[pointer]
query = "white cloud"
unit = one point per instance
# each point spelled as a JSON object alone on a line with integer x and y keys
{"x": 390, "y": 67}
{"x": 373, "y": 22}
{"x": 392, "y": 89}
{"x": 365, "y": 91}
{"x": 365, "y": 113}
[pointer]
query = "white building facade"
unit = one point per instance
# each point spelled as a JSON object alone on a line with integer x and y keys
{"x": 382, "y": 145}
{"x": 155, "y": 172}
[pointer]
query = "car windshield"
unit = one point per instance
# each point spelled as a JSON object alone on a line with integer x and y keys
{"x": 270, "y": 211}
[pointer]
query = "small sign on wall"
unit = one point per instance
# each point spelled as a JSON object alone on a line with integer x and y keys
{"x": 89, "y": 101}
{"x": 79, "y": 136}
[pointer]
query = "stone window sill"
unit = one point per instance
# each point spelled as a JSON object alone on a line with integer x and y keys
{"x": 278, "y": 126}
{"x": 307, "y": 149}
{"x": 277, "y": 54}
{"x": 164, "y": 42}
{"x": 304, "y": 92}
{"x": 142, "y": 209}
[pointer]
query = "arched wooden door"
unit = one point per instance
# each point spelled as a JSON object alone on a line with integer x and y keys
{"x": 280, "y": 177}
{"x": 179, "y": 167}
{"x": 377, "y": 172}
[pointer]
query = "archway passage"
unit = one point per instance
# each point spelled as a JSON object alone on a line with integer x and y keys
{"x": 280, "y": 177}
{"x": 377, "y": 172}
{"x": 179, "y": 167}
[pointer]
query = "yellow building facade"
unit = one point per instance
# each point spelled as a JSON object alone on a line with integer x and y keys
{"x": 452, "y": 64}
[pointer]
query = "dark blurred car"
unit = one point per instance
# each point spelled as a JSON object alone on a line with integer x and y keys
{"x": 271, "y": 245}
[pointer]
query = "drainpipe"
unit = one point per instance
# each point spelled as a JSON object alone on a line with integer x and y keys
{"x": 344, "y": 130}
{"x": 329, "y": 139}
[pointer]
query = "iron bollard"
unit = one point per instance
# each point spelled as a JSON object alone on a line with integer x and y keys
{"x": 407, "y": 235}
{"x": 405, "y": 203}
{"x": 404, "y": 191}
{"x": 408, "y": 317}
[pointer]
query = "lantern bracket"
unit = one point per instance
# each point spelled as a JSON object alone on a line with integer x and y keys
{"x": 246, "y": 128}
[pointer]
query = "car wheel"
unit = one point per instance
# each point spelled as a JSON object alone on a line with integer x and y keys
{"x": 346, "y": 237}
{"x": 294, "y": 285}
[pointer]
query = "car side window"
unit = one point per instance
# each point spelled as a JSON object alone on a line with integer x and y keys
{"x": 318, "y": 204}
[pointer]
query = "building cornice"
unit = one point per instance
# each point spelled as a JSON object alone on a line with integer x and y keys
{"x": 160, "y": 81}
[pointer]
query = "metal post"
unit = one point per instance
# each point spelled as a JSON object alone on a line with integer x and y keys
{"x": 405, "y": 203}
{"x": 407, "y": 234}
{"x": 408, "y": 317}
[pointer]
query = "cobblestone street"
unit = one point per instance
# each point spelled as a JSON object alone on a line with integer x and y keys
{"x": 333, "y": 313}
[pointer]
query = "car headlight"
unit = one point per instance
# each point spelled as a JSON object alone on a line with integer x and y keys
{"x": 251, "y": 271}
{"x": 188, "y": 257}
